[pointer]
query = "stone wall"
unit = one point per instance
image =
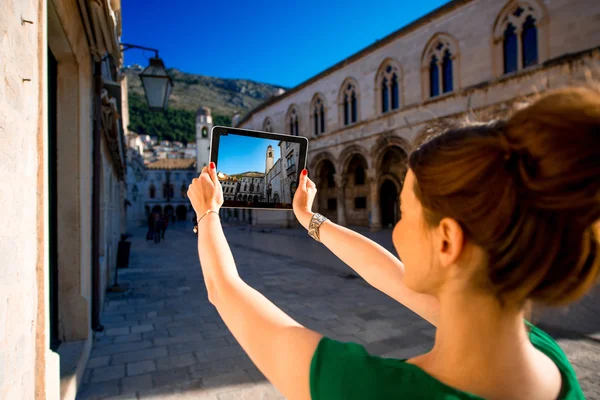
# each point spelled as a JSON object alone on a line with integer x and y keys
{"x": 21, "y": 240}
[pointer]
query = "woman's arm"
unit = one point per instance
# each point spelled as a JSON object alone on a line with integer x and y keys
{"x": 280, "y": 347}
{"x": 380, "y": 268}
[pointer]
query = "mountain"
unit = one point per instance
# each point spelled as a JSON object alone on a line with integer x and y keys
{"x": 224, "y": 97}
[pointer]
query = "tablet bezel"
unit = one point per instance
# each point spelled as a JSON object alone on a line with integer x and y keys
{"x": 216, "y": 133}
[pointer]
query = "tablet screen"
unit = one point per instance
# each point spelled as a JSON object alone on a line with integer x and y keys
{"x": 258, "y": 172}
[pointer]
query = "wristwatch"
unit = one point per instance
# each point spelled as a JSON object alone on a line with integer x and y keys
{"x": 314, "y": 225}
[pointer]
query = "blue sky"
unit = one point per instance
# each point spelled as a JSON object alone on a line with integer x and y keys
{"x": 271, "y": 41}
{"x": 239, "y": 154}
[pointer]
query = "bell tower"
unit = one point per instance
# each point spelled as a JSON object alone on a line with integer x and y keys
{"x": 270, "y": 159}
{"x": 204, "y": 125}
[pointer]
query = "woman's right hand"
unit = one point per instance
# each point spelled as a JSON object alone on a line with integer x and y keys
{"x": 303, "y": 199}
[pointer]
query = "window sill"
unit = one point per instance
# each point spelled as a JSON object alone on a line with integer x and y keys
{"x": 440, "y": 97}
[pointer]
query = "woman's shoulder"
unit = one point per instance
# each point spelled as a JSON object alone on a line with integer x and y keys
{"x": 345, "y": 370}
{"x": 547, "y": 345}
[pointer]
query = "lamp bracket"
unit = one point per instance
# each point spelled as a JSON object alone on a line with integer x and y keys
{"x": 127, "y": 46}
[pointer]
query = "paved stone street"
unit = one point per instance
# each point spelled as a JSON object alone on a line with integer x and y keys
{"x": 164, "y": 340}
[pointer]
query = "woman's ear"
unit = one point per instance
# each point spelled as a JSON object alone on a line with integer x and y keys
{"x": 450, "y": 241}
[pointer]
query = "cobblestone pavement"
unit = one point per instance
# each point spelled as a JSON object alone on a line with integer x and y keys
{"x": 164, "y": 340}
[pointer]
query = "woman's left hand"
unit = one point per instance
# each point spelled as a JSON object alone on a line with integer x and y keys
{"x": 206, "y": 192}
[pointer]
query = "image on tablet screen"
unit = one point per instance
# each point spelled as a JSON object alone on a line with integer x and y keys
{"x": 257, "y": 172}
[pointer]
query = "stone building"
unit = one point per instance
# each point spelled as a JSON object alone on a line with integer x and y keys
{"x": 467, "y": 58}
{"x": 165, "y": 188}
{"x": 62, "y": 167}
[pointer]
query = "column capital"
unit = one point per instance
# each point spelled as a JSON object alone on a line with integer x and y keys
{"x": 340, "y": 181}
{"x": 372, "y": 175}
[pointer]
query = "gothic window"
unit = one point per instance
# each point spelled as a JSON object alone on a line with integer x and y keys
{"x": 152, "y": 193}
{"x": 434, "y": 77}
{"x": 292, "y": 119}
{"x": 529, "y": 42}
{"x": 318, "y": 115}
{"x": 267, "y": 125}
{"x": 276, "y": 198}
{"x": 349, "y": 97}
{"x": 388, "y": 84}
{"x": 510, "y": 49}
{"x": 204, "y": 131}
{"x": 439, "y": 65}
{"x": 293, "y": 187}
{"x": 447, "y": 72}
{"x": 252, "y": 187}
{"x": 517, "y": 36}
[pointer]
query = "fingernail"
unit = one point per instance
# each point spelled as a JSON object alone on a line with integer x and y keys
{"x": 304, "y": 172}
{"x": 212, "y": 165}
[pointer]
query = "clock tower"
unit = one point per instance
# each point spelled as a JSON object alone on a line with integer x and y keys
{"x": 204, "y": 125}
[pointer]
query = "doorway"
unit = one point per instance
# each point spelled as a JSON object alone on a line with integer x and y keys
{"x": 389, "y": 202}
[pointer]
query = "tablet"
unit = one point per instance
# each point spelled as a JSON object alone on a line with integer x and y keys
{"x": 256, "y": 169}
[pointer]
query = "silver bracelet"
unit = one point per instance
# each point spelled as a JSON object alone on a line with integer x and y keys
{"x": 200, "y": 219}
{"x": 315, "y": 223}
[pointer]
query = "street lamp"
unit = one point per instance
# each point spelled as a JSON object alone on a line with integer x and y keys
{"x": 157, "y": 85}
{"x": 155, "y": 80}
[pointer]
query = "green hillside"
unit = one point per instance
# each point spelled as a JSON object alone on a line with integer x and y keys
{"x": 224, "y": 97}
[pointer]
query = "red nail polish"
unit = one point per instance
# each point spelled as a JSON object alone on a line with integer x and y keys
{"x": 212, "y": 165}
{"x": 304, "y": 172}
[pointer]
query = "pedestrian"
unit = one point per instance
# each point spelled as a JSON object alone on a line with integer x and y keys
{"x": 158, "y": 224}
{"x": 493, "y": 217}
{"x": 165, "y": 224}
{"x": 151, "y": 227}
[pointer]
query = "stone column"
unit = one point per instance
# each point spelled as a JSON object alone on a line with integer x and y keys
{"x": 340, "y": 184}
{"x": 375, "y": 220}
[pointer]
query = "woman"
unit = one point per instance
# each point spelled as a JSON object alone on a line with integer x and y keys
{"x": 492, "y": 217}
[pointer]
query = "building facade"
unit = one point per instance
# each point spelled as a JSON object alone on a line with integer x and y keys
{"x": 468, "y": 58}
{"x": 166, "y": 184}
{"x": 63, "y": 165}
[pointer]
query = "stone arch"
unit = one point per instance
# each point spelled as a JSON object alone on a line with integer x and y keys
{"x": 387, "y": 68}
{"x": 320, "y": 157}
{"x": 350, "y": 85}
{"x": 347, "y": 155}
{"x": 538, "y": 10}
{"x": 437, "y": 46}
{"x": 378, "y": 150}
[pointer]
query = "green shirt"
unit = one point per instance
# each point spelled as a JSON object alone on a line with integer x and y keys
{"x": 346, "y": 371}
